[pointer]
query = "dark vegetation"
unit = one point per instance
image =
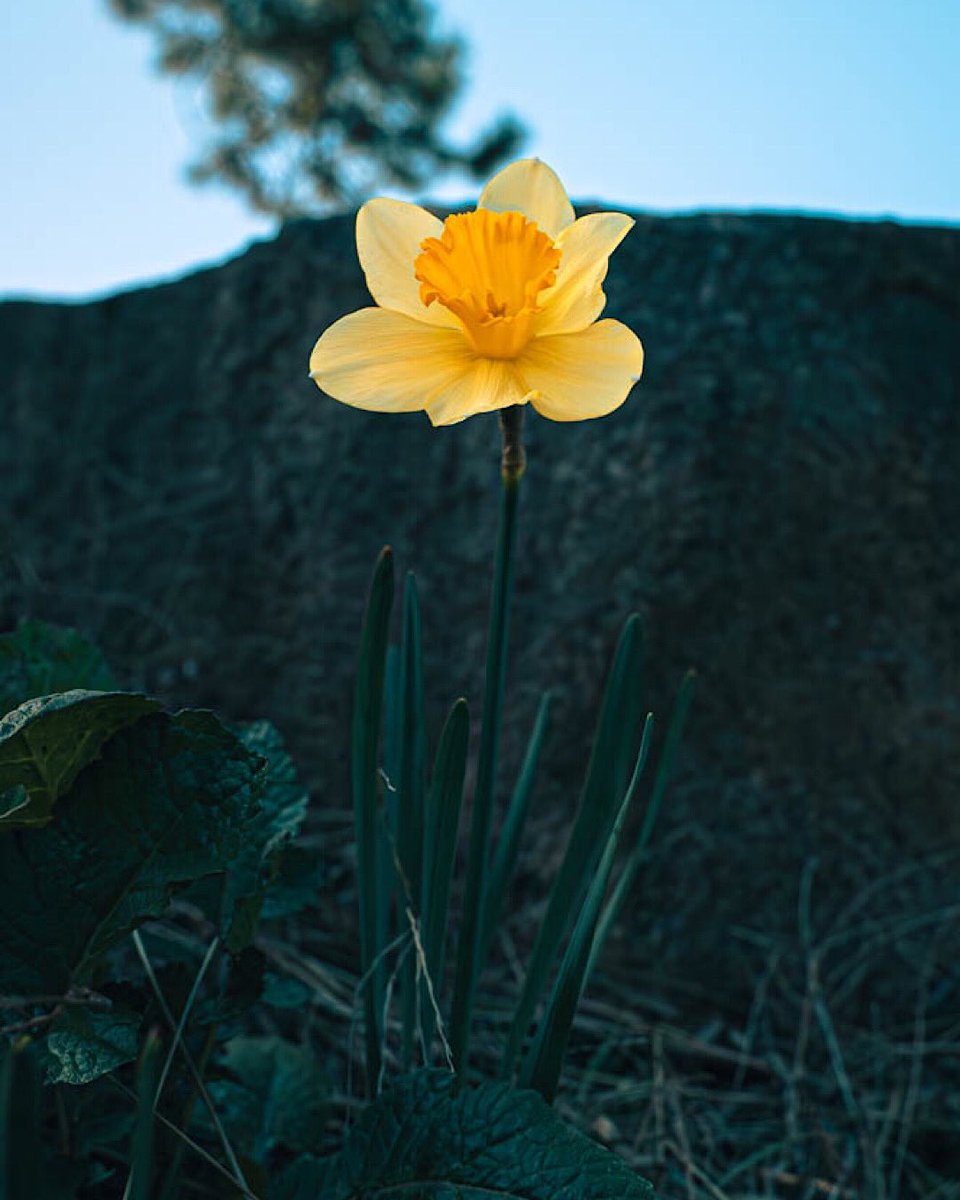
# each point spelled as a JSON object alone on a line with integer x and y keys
{"x": 318, "y": 103}
{"x": 778, "y": 1013}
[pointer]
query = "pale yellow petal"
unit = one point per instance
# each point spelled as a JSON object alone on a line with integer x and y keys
{"x": 576, "y": 376}
{"x": 577, "y": 297}
{"x": 491, "y": 383}
{"x": 382, "y": 360}
{"x": 530, "y": 187}
{"x": 389, "y": 233}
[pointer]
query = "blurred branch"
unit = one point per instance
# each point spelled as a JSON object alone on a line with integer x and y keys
{"x": 317, "y": 103}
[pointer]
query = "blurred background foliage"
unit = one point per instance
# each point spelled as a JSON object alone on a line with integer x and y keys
{"x": 318, "y": 102}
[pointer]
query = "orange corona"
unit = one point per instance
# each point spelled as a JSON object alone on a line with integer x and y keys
{"x": 489, "y": 268}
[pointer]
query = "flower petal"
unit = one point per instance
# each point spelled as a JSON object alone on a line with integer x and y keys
{"x": 576, "y": 376}
{"x": 577, "y": 298}
{"x": 389, "y": 233}
{"x": 382, "y": 360}
{"x": 530, "y": 187}
{"x": 491, "y": 383}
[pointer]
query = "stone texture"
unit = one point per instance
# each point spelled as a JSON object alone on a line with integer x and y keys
{"x": 778, "y": 499}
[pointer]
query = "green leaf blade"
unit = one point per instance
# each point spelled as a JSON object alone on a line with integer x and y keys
{"x": 508, "y": 845}
{"x": 410, "y": 815}
{"x": 367, "y": 718}
{"x": 141, "y": 1144}
{"x": 544, "y": 1061}
{"x": 618, "y": 729}
{"x": 678, "y": 720}
{"x": 444, "y": 803}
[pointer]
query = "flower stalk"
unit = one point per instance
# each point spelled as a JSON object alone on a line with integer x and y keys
{"x": 513, "y": 460}
{"x": 469, "y": 951}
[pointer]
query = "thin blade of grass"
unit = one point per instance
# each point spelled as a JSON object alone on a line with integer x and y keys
{"x": 606, "y": 779}
{"x": 189, "y": 1142}
{"x": 505, "y": 856}
{"x": 184, "y": 1016}
{"x": 196, "y": 1072}
{"x": 444, "y": 802}
{"x": 410, "y": 799}
{"x": 678, "y": 720}
{"x": 20, "y": 1146}
{"x": 367, "y": 716}
{"x": 544, "y": 1060}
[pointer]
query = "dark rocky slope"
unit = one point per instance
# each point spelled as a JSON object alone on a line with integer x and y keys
{"x": 779, "y": 499}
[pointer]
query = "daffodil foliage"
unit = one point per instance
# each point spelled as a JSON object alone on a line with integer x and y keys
{"x": 485, "y": 310}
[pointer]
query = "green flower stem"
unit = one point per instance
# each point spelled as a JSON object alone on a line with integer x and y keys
{"x": 468, "y": 968}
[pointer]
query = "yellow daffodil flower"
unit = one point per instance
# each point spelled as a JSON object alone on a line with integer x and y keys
{"x": 484, "y": 310}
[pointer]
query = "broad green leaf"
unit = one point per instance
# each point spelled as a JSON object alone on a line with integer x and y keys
{"x": 614, "y": 749}
{"x": 270, "y": 1092}
{"x": 283, "y": 806}
{"x": 166, "y": 803}
{"x": 85, "y": 1043}
{"x": 365, "y": 780}
{"x": 423, "y": 1141}
{"x": 47, "y": 742}
{"x": 38, "y": 659}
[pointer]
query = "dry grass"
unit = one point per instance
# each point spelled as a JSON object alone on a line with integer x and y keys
{"x": 834, "y": 1071}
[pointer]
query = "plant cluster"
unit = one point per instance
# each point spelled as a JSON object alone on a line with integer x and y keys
{"x": 152, "y": 1043}
{"x": 134, "y": 842}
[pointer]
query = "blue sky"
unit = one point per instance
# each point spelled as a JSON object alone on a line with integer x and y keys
{"x": 840, "y": 106}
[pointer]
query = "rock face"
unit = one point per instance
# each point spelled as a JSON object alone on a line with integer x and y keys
{"x": 779, "y": 499}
